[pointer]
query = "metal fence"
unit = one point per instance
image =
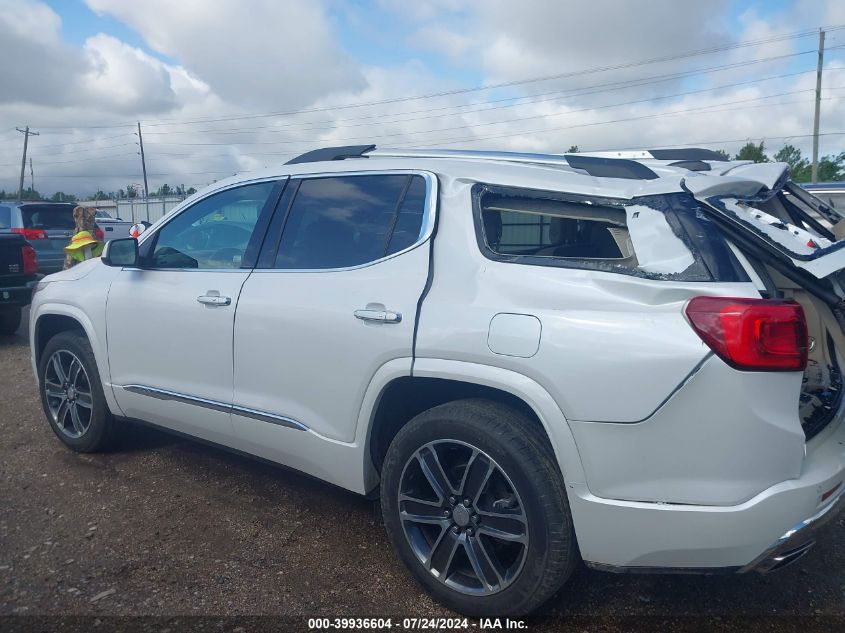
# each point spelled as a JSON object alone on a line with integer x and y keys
{"x": 149, "y": 209}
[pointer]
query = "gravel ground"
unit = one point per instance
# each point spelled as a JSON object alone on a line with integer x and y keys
{"x": 167, "y": 527}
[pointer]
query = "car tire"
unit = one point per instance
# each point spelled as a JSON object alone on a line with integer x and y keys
{"x": 72, "y": 394}
{"x": 10, "y": 321}
{"x": 479, "y": 443}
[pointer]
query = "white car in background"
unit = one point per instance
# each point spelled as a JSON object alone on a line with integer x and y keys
{"x": 532, "y": 359}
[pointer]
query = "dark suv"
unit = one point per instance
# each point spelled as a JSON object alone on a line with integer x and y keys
{"x": 48, "y": 226}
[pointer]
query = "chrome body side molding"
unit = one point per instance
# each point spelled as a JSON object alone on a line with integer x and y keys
{"x": 263, "y": 416}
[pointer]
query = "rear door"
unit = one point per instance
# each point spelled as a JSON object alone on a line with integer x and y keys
{"x": 57, "y": 224}
{"x": 333, "y": 299}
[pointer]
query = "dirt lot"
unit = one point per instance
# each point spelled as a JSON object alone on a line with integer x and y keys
{"x": 168, "y": 527}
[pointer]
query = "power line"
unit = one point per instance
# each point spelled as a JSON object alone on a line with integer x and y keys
{"x": 506, "y": 84}
{"x": 538, "y": 116}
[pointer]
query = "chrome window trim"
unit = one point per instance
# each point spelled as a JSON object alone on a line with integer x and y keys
{"x": 215, "y": 405}
{"x": 432, "y": 191}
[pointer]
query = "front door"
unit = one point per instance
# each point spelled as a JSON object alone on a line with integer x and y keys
{"x": 336, "y": 300}
{"x": 169, "y": 322}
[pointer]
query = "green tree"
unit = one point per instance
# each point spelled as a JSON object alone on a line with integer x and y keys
{"x": 100, "y": 195}
{"x": 30, "y": 194}
{"x": 131, "y": 192}
{"x": 191, "y": 191}
{"x": 61, "y": 196}
{"x": 573, "y": 149}
{"x": 164, "y": 190}
{"x": 751, "y": 151}
{"x": 723, "y": 154}
{"x": 832, "y": 167}
{"x": 799, "y": 167}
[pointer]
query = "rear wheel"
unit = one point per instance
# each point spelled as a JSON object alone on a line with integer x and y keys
{"x": 72, "y": 393}
{"x": 476, "y": 508}
{"x": 10, "y": 321}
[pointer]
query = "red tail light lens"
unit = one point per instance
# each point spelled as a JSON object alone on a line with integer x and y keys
{"x": 32, "y": 234}
{"x": 30, "y": 260}
{"x": 752, "y": 334}
{"x": 98, "y": 233}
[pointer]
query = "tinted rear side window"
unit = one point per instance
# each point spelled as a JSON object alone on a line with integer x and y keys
{"x": 5, "y": 217}
{"x": 48, "y": 216}
{"x": 343, "y": 221}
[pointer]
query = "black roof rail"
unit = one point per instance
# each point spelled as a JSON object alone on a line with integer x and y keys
{"x": 611, "y": 167}
{"x": 687, "y": 153}
{"x": 331, "y": 153}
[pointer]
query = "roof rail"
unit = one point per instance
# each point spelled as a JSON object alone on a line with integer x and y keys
{"x": 604, "y": 167}
{"x": 331, "y": 153}
{"x": 514, "y": 157}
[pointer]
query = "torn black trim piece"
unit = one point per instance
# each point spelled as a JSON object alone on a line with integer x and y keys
{"x": 687, "y": 153}
{"x": 611, "y": 167}
{"x": 331, "y": 153}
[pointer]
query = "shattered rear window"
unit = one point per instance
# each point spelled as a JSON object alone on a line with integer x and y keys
{"x": 656, "y": 237}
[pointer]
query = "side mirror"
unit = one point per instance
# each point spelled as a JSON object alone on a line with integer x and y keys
{"x": 120, "y": 253}
{"x": 136, "y": 229}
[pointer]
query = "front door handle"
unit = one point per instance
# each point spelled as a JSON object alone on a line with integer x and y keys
{"x": 378, "y": 316}
{"x": 214, "y": 300}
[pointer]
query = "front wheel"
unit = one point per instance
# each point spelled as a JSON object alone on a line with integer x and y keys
{"x": 475, "y": 506}
{"x": 72, "y": 393}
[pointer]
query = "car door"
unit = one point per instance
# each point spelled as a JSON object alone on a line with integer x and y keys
{"x": 169, "y": 321}
{"x": 334, "y": 298}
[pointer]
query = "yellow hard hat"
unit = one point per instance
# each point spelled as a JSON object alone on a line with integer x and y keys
{"x": 80, "y": 240}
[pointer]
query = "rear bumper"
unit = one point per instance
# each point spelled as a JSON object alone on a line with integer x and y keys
{"x": 16, "y": 296}
{"x": 798, "y": 540}
{"x": 768, "y": 531}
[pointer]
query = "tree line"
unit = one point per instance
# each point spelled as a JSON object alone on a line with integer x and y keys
{"x": 131, "y": 191}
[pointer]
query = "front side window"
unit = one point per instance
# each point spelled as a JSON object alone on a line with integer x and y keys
{"x": 214, "y": 232}
{"x": 343, "y": 221}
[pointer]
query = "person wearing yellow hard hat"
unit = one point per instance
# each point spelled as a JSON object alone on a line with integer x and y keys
{"x": 82, "y": 246}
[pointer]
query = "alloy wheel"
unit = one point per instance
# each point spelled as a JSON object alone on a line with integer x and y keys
{"x": 463, "y": 517}
{"x": 68, "y": 392}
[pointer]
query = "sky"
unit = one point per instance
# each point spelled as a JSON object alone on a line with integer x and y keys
{"x": 226, "y": 86}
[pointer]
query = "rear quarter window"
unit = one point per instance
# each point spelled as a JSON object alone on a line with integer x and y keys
{"x": 657, "y": 237}
{"x": 5, "y": 217}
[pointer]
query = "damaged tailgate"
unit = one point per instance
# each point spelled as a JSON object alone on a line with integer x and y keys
{"x": 759, "y": 199}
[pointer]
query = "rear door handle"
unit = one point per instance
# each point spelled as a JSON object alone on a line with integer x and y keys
{"x": 214, "y": 300}
{"x": 378, "y": 316}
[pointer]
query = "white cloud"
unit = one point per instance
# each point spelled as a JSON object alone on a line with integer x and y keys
{"x": 241, "y": 59}
{"x": 259, "y": 53}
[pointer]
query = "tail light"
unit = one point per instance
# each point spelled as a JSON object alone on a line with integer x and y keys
{"x": 30, "y": 260}
{"x": 752, "y": 334}
{"x": 32, "y": 234}
{"x": 98, "y": 233}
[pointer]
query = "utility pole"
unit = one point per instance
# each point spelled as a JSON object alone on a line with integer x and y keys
{"x": 815, "y": 170}
{"x": 26, "y": 134}
{"x": 143, "y": 161}
{"x": 144, "y": 168}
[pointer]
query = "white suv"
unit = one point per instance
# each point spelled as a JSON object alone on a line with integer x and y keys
{"x": 532, "y": 359}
